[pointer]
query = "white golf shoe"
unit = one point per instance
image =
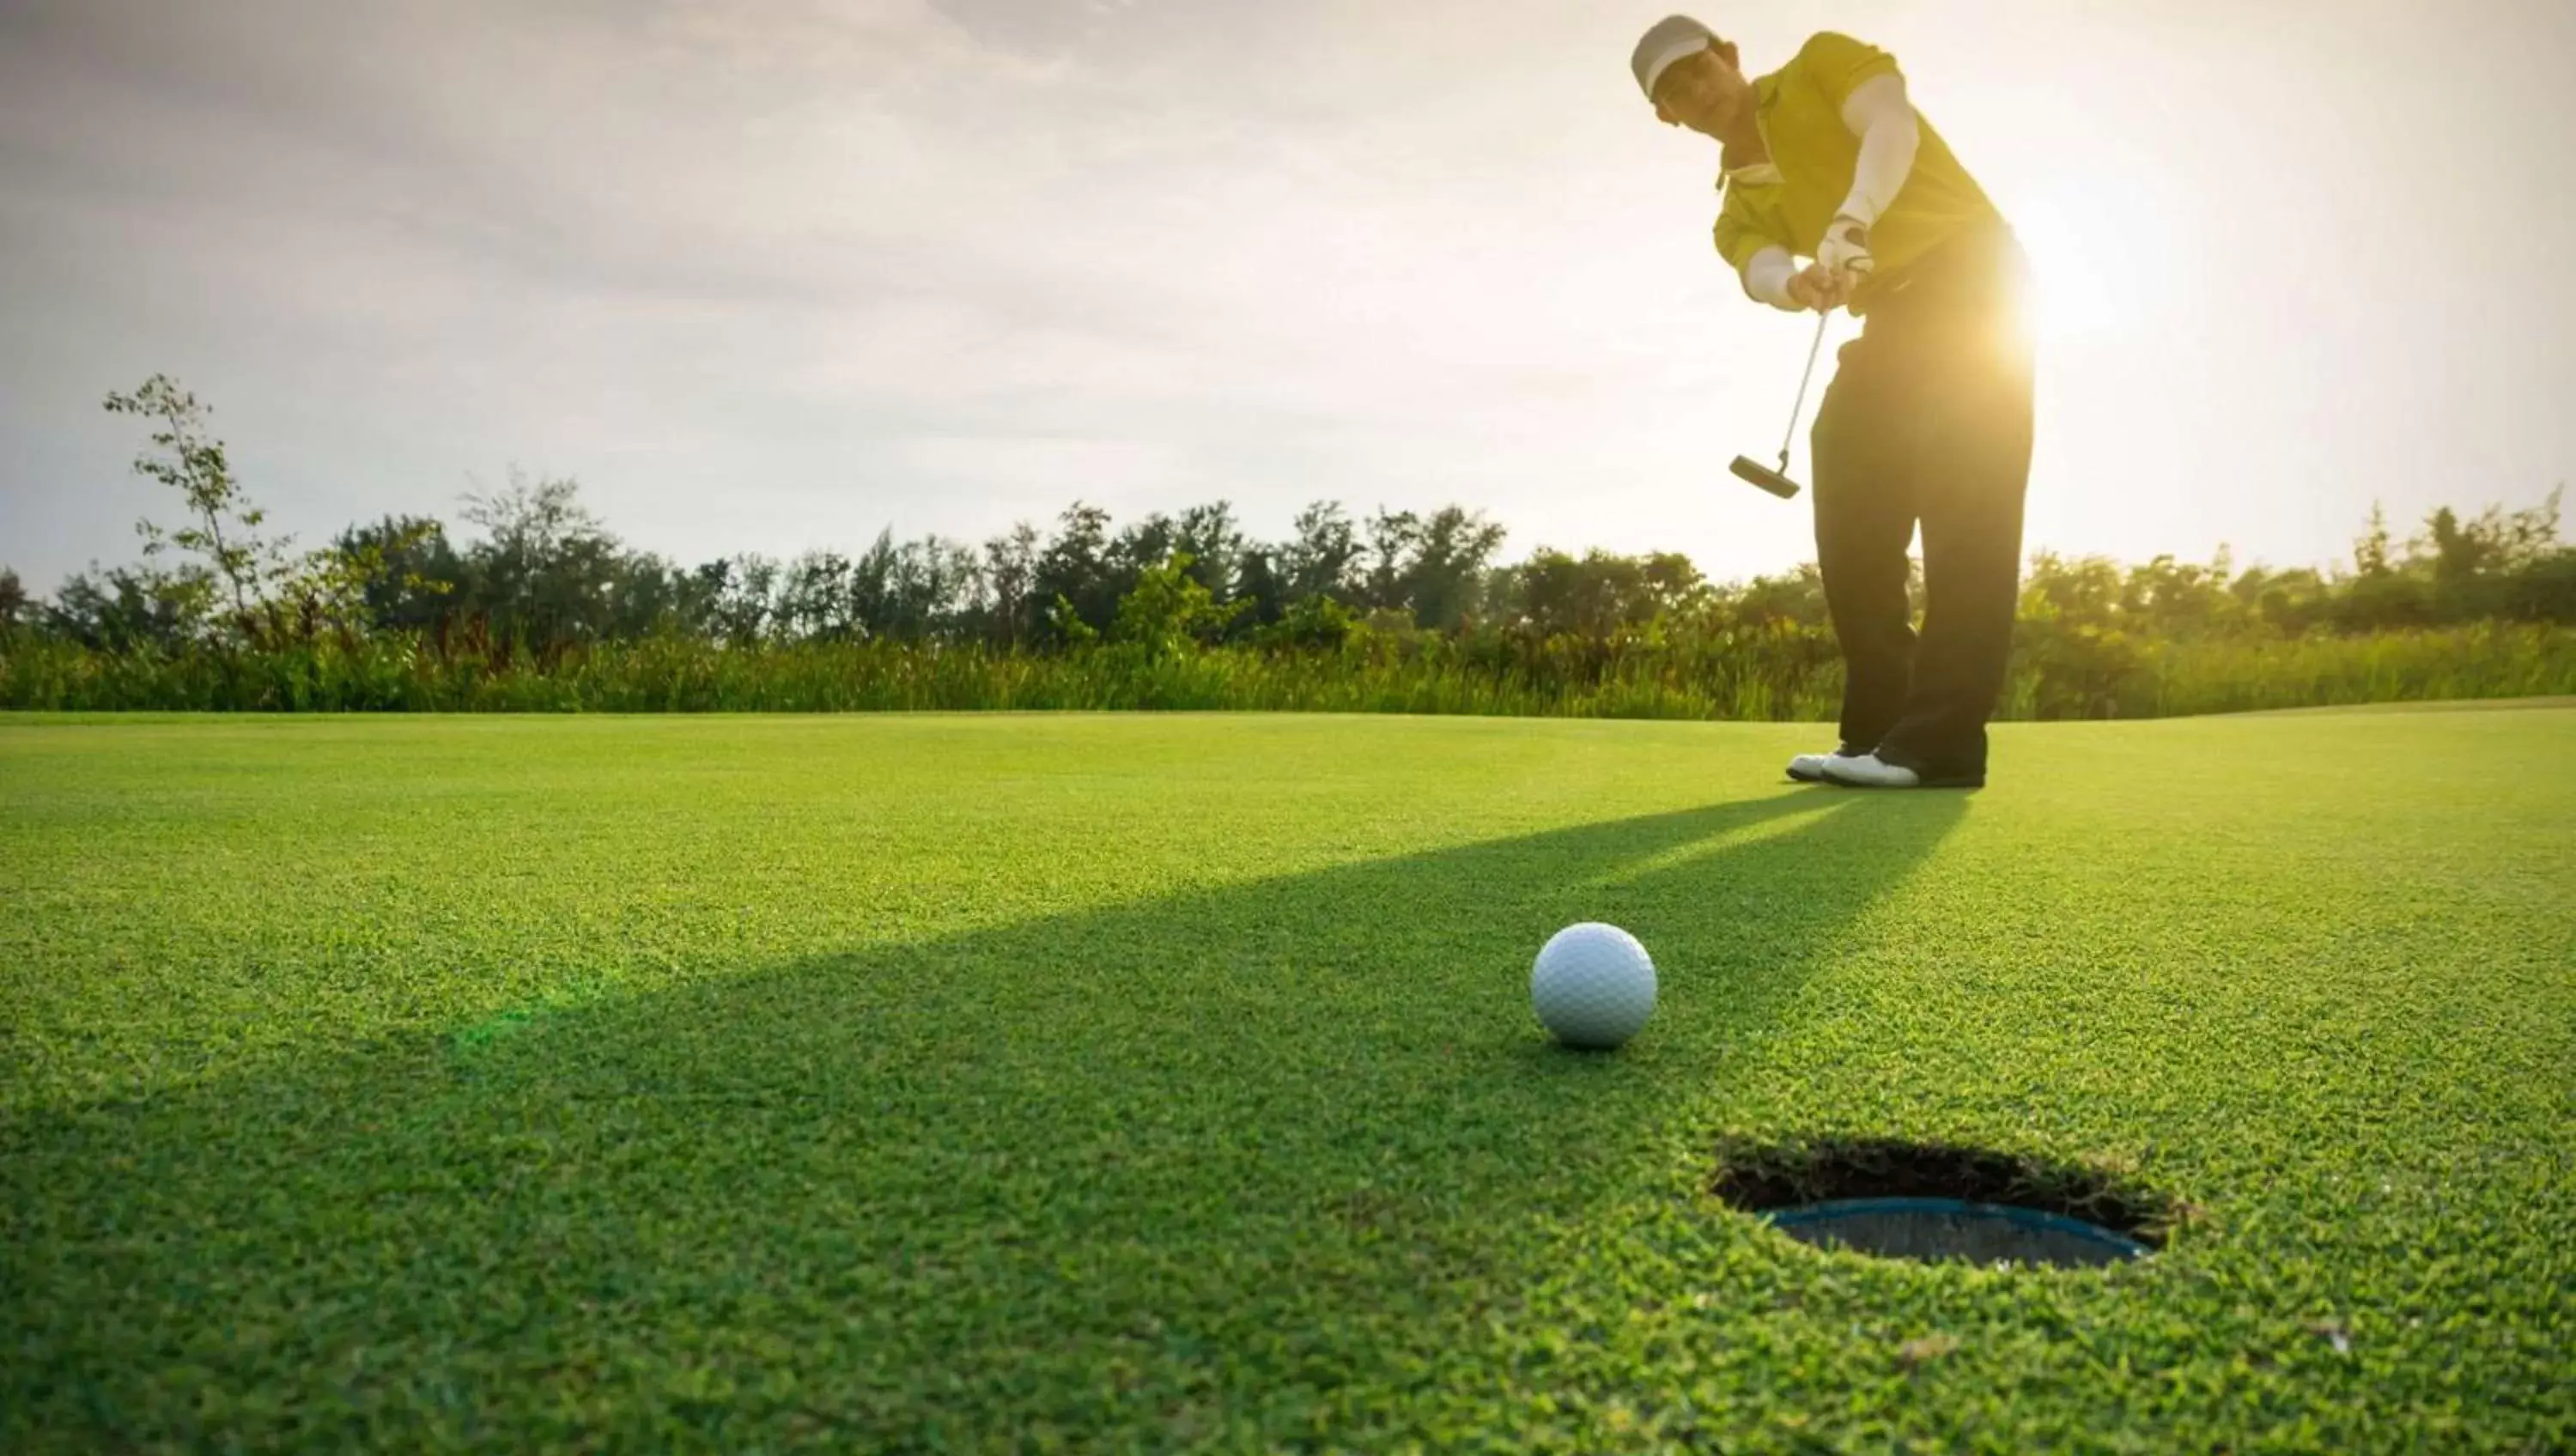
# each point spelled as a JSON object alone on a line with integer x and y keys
{"x": 1810, "y": 768}
{"x": 1869, "y": 771}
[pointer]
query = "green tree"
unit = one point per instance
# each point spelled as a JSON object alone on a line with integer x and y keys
{"x": 2178, "y": 598}
{"x": 546, "y": 571}
{"x": 271, "y": 593}
{"x": 1794, "y": 598}
{"x": 1387, "y": 561}
{"x": 1075, "y": 572}
{"x": 1169, "y": 611}
{"x": 2475, "y": 564}
{"x": 1064, "y": 620}
{"x": 1325, "y": 558}
{"x": 817, "y": 596}
{"x": 225, "y": 530}
{"x": 1316, "y": 622}
{"x": 2371, "y": 554}
{"x": 1673, "y": 584}
{"x": 417, "y": 572}
{"x": 1214, "y": 542}
{"x": 735, "y": 596}
{"x": 1431, "y": 567}
{"x": 1547, "y": 593}
{"x": 1260, "y": 587}
{"x": 931, "y": 590}
{"x": 2379, "y": 594}
{"x": 127, "y": 609}
{"x": 1010, "y": 573}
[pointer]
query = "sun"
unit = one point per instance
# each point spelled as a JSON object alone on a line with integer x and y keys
{"x": 2103, "y": 256}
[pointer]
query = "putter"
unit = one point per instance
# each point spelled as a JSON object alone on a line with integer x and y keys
{"x": 1763, "y": 476}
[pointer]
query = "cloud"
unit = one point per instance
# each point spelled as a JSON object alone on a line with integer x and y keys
{"x": 839, "y": 264}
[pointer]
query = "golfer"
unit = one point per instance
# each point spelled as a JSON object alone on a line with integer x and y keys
{"x": 1928, "y": 418}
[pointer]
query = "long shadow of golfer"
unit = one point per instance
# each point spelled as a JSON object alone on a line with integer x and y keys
{"x": 1122, "y": 1169}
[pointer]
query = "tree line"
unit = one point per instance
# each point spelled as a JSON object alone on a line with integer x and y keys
{"x": 536, "y": 572}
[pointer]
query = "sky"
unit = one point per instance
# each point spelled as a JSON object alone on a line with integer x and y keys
{"x": 772, "y": 275}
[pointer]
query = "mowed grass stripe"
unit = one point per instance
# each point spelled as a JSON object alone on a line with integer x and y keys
{"x": 1170, "y": 1082}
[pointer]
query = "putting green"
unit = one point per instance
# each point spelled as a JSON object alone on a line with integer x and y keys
{"x": 1144, "y": 1082}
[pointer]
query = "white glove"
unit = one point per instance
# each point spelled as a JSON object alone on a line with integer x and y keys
{"x": 1845, "y": 251}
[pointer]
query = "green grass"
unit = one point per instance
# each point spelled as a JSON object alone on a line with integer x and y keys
{"x": 1157, "y": 1082}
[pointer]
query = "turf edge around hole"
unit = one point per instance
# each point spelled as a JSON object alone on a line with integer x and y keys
{"x": 1936, "y": 1202}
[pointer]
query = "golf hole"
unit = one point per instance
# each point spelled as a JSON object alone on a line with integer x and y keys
{"x": 1939, "y": 1204}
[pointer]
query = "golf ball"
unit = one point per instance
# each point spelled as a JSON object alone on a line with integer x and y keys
{"x": 1593, "y": 985}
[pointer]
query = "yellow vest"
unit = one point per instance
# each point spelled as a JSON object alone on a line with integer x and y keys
{"x": 1813, "y": 156}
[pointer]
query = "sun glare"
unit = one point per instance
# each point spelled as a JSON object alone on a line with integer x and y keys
{"x": 2101, "y": 259}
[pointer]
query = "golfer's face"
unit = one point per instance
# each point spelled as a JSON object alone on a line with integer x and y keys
{"x": 1701, "y": 92}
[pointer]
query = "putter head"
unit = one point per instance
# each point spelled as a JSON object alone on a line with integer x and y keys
{"x": 1763, "y": 477}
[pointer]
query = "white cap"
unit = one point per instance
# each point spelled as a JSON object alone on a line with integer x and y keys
{"x": 1666, "y": 41}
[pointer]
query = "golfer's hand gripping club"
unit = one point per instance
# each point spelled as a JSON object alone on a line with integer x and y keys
{"x": 1844, "y": 252}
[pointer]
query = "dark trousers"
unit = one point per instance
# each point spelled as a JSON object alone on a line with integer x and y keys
{"x": 1928, "y": 421}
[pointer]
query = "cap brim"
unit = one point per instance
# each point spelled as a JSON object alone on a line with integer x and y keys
{"x": 1679, "y": 49}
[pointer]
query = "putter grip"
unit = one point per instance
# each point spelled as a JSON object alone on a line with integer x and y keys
{"x": 1763, "y": 477}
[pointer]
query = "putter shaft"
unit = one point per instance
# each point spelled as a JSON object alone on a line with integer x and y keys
{"x": 1818, "y": 347}
{"x": 1764, "y": 477}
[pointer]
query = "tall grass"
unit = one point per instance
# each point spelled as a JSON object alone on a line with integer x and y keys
{"x": 679, "y": 675}
{"x": 1779, "y": 673}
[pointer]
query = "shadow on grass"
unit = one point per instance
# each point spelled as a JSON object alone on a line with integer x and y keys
{"x": 1251, "y": 1154}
